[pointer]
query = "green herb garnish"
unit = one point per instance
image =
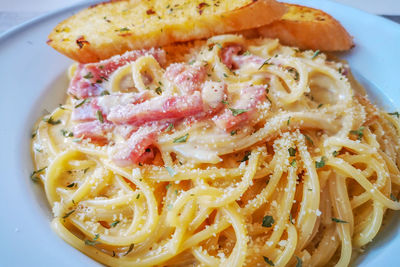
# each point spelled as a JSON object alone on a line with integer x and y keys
{"x": 393, "y": 197}
{"x": 71, "y": 185}
{"x": 321, "y": 163}
{"x": 158, "y": 91}
{"x": 66, "y": 133}
{"x": 308, "y": 139}
{"x": 129, "y": 249}
{"x": 299, "y": 262}
{"x": 99, "y": 116}
{"x": 266, "y": 62}
{"x": 336, "y": 220}
{"x": 358, "y": 132}
{"x": 395, "y": 114}
{"x": 33, "y": 174}
{"x": 293, "y": 163}
{"x": 292, "y": 151}
{"x": 233, "y": 132}
{"x": 181, "y": 139}
{"x": 268, "y": 221}
{"x": 170, "y": 127}
{"x": 51, "y": 121}
{"x": 105, "y": 92}
{"x": 335, "y": 153}
{"x": 267, "y": 260}
{"x": 316, "y": 53}
{"x": 138, "y": 196}
{"x": 236, "y": 112}
{"x": 68, "y": 213}
{"x": 113, "y": 224}
{"x": 124, "y": 29}
{"x": 246, "y": 53}
{"x": 246, "y": 157}
{"x": 89, "y": 75}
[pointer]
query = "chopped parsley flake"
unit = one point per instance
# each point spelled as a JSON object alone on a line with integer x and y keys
{"x": 320, "y": 105}
{"x": 267, "y": 260}
{"x": 225, "y": 102}
{"x": 246, "y": 157}
{"x": 51, "y": 121}
{"x": 33, "y": 174}
{"x": 316, "y": 53}
{"x": 71, "y": 185}
{"x": 336, "y": 220}
{"x": 225, "y": 75}
{"x": 236, "y": 112}
{"x": 395, "y": 114}
{"x": 92, "y": 242}
{"x": 138, "y": 196}
{"x": 266, "y": 62}
{"x": 68, "y": 213}
{"x": 358, "y": 132}
{"x": 158, "y": 91}
{"x": 89, "y": 75}
{"x": 293, "y": 163}
{"x": 268, "y": 221}
{"x": 168, "y": 185}
{"x": 292, "y": 151}
{"x": 105, "y": 92}
{"x": 129, "y": 249}
{"x": 321, "y": 163}
{"x": 246, "y": 53}
{"x": 335, "y": 153}
{"x": 170, "y": 127}
{"x": 66, "y": 133}
{"x": 181, "y": 139}
{"x": 99, "y": 116}
{"x": 288, "y": 121}
{"x": 393, "y": 197}
{"x": 191, "y": 62}
{"x": 233, "y": 132}
{"x": 113, "y": 224}
{"x": 124, "y": 29}
{"x": 299, "y": 262}
{"x": 308, "y": 139}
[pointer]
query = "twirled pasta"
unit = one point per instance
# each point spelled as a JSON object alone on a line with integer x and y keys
{"x": 309, "y": 180}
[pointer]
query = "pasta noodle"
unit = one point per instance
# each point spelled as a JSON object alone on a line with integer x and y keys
{"x": 302, "y": 172}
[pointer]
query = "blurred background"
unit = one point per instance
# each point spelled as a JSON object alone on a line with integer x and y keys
{"x": 14, "y": 12}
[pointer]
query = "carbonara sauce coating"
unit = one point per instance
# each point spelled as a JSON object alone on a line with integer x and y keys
{"x": 231, "y": 152}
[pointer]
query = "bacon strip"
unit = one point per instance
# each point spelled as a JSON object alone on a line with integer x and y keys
{"x": 137, "y": 148}
{"x": 87, "y": 111}
{"x": 88, "y": 77}
{"x": 157, "y": 109}
{"x": 95, "y": 130}
{"x": 250, "y": 97}
{"x": 186, "y": 77}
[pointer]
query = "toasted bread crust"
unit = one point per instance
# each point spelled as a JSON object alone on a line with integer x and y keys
{"x": 306, "y": 28}
{"x": 111, "y": 28}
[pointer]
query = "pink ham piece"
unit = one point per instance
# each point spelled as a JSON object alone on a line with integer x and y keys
{"x": 186, "y": 77}
{"x": 89, "y": 77}
{"x": 250, "y": 97}
{"x": 227, "y": 54}
{"x": 95, "y": 130}
{"x": 87, "y": 111}
{"x": 231, "y": 58}
{"x": 137, "y": 148}
{"x": 157, "y": 109}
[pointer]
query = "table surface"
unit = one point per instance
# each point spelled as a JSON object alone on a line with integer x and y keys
{"x": 16, "y": 12}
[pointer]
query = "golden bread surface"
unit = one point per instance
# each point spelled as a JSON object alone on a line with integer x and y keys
{"x": 111, "y": 28}
{"x": 306, "y": 28}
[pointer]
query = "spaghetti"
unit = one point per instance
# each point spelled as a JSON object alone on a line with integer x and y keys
{"x": 247, "y": 154}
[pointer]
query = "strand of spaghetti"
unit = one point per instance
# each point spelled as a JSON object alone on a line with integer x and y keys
{"x": 347, "y": 170}
{"x": 291, "y": 244}
{"x": 311, "y": 198}
{"x": 371, "y": 229}
{"x": 336, "y": 188}
{"x": 239, "y": 252}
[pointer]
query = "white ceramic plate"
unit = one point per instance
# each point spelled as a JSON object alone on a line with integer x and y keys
{"x": 33, "y": 78}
